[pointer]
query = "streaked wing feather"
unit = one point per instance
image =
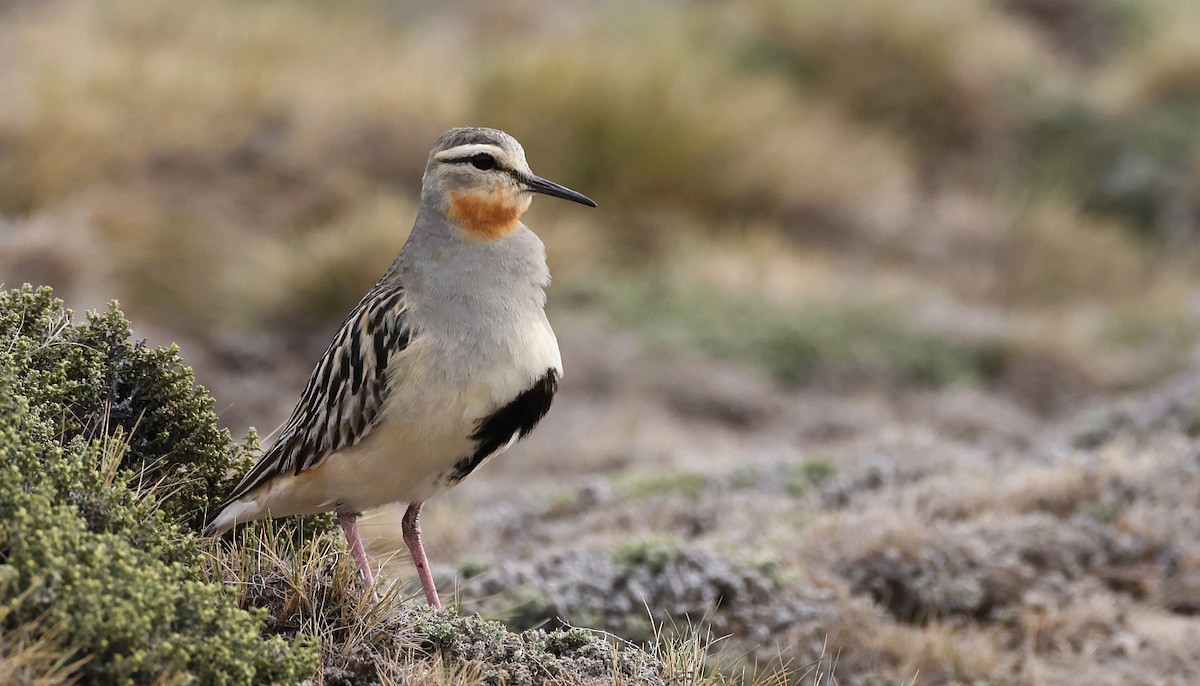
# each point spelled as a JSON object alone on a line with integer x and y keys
{"x": 341, "y": 403}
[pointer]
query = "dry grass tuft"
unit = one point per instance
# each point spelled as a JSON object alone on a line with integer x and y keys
{"x": 31, "y": 653}
{"x": 309, "y": 590}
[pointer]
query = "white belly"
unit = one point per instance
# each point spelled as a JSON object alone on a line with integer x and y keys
{"x": 433, "y": 407}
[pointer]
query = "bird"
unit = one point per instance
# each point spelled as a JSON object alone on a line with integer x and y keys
{"x": 444, "y": 364}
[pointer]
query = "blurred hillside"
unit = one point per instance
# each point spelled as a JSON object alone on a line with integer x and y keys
{"x": 980, "y": 212}
{"x": 1008, "y": 188}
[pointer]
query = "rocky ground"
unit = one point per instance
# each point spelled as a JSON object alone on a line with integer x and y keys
{"x": 946, "y": 536}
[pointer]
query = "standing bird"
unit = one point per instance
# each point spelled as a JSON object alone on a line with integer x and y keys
{"x": 444, "y": 364}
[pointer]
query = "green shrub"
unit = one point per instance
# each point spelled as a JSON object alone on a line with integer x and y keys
{"x": 108, "y": 456}
{"x": 92, "y": 383}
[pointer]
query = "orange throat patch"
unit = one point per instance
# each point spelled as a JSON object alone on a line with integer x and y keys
{"x": 486, "y": 217}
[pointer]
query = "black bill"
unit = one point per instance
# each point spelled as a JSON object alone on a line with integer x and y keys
{"x": 539, "y": 185}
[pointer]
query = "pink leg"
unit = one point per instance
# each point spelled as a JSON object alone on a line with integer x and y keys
{"x": 412, "y": 539}
{"x": 349, "y": 524}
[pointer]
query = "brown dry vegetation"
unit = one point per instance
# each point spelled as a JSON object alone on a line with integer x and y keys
{"x": 839, "y": 340}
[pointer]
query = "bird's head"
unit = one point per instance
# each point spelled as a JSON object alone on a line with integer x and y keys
{"x": 480, "y": 179}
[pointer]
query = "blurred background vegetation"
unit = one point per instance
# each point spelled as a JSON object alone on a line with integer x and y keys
{"x": 857, "y": 191}
{"x": 933, "y": 227}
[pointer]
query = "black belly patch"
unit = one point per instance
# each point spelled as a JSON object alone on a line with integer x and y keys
{"x": 515, "y": 419}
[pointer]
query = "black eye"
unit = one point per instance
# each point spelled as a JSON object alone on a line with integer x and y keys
{"x": 482, "y": 160}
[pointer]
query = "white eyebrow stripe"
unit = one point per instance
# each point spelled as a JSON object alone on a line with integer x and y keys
{"x": 461, "y": 151}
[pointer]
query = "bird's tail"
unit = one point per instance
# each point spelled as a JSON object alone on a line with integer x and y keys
{"x": 236, "y": 512}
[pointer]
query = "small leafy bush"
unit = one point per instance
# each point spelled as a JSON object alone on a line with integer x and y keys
{"x": 109, "y": 457}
